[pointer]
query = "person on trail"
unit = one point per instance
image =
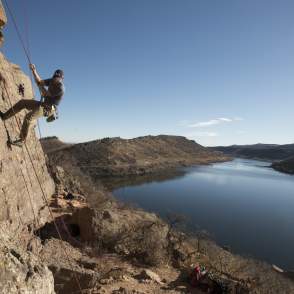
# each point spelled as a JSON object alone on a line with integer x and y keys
{"x": 51, "y": 90}
{"x": 197, "y": 275}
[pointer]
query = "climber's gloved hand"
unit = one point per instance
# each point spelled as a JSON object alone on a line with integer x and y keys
{"x": 32, "y": 67}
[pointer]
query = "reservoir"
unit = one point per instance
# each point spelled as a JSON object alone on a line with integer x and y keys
{"x": 243, "y": 204}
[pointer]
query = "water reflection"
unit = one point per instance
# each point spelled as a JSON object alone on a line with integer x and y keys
{"x": 135, "y": 180}
{"x": 244, "y": 204}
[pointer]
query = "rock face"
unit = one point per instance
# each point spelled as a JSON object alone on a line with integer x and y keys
{"x": 21, "y": 202}
{"x": 21, "y": 272}
{"x": 133, "y": 233}
{"x": 3, "y": 18}
{"x": 17, "y": 177}
{"x": 65, "y": 273}
{"x": 3, "y": 21}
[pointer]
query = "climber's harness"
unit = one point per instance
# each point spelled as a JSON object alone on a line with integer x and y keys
{"x": 50, "y": 111}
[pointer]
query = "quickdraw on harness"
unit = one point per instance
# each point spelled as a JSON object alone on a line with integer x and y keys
{"x": 49, "y": 110}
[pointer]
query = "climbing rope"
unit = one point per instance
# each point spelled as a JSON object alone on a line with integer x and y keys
{"x": 30, "y": 57}
{"x": 18, "y": 31}
{"x": 29, "y": 155}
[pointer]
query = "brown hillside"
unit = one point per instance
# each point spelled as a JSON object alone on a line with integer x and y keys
{"x": 50, "y": 144}
{"x": 121, "y": 157}
{"x": 286, "y": 166}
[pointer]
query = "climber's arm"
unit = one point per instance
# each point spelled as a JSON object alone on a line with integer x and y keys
{"x": 37, "y": 78}
{"x": 41, "y": 83}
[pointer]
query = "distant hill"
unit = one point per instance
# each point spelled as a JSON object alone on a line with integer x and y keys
{"x": 269, "y": 152}
{"x": 51, "y": 144}
{"x": 286, "y": 166}
{"x": 120, "y": 157}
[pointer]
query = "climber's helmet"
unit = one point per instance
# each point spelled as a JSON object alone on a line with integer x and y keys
{"x": 58, "y": 74}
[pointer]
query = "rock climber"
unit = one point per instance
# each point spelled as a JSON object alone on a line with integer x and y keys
{"x": 51, "y": 90}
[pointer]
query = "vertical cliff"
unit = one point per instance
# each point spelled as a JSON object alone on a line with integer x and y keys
{"x": 20, "y": 194}
{"x": 20, "y": 270}
{"x": 21, "y": 200}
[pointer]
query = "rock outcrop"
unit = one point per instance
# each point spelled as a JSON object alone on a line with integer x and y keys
{"x": 3, "y": 20}
{"x": 20, "y": 194}
{"x": 20, "y": 270}
{"x": 22, "y": 205}
{"x": 130, "y": 233}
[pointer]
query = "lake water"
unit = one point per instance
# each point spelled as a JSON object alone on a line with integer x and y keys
{"x": 243, "y": 204}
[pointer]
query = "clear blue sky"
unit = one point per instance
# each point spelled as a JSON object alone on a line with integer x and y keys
{"x": 219, "y": 72}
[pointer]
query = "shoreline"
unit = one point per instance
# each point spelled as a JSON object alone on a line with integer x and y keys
{"x": 109, "y": 215}
{"x": 126, "y": 183}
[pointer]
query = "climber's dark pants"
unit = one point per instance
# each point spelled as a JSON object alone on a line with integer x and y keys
{"x": 36, "y": 111}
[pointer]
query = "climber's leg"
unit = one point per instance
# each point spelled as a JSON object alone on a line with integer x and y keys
{"x": 28, "y": 104}
{"x": 29, "y": 120}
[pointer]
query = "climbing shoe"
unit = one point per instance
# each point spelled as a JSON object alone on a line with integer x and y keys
{"x": 1, "y": 114}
